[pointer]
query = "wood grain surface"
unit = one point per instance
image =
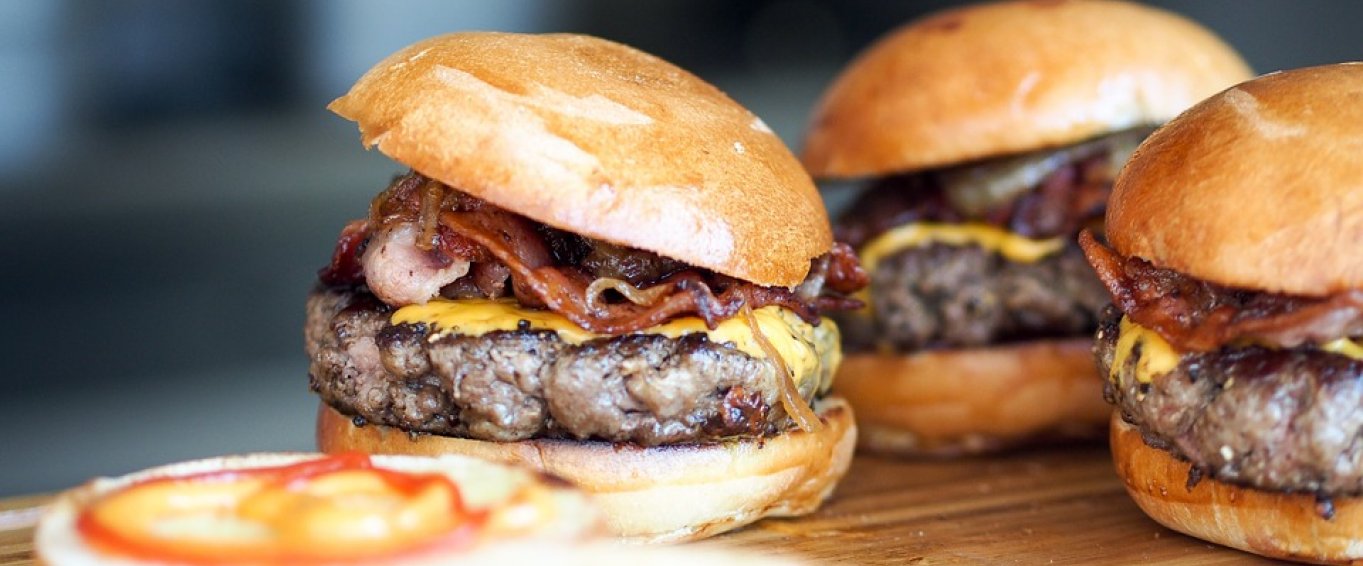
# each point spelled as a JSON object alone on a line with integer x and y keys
{"x": 1057, "y": 506}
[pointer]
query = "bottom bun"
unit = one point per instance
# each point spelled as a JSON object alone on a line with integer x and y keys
{"x": 971, "y": 401}
{"x": 1273, "y": 524}
{"x": 658, "y": 494}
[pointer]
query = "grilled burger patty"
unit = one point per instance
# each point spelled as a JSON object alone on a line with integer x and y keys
{"x": 965, "y": 296}
{"x": 516, "y": 385}
{"x": 954, "y": 296}
{"x": 1282, "y": 420}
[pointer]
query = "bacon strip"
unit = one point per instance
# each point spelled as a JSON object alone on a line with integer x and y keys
{"x": 845, "y": 274}
{"x": 563, "y": 290}
{"x": 1198, "y": 316}
{"x": 345, "y": 267}
{"x": 1066, "y": 200}
{"x": 551, "y": 269}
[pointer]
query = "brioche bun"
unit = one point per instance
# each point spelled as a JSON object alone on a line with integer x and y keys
{"x": 974, "y": 400}
{"x": 482, "y": 485}
{"x": 1259, "y": 187}
{"x": 1009, "y": 77}
{"x": 658, "y": 494}
{"x": 1278, "y": 525}
{"x": 599, "y": 139}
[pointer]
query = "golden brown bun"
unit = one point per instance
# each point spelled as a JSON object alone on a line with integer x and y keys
{"x": 483, "y": 485}
{"x": 599, "y": 139}
{"x": 994, "y": 79}
{"x": 1279, "y": 525}
{"x": 557, "y": 554}
{"x": 661, "y": 494}
{"x": 1260, "y": 186}
{"x": 970, "y": 401}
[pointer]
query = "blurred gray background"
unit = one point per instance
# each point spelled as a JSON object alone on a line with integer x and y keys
{"x": 170, "y": 182}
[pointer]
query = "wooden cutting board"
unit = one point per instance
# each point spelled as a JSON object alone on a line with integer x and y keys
{"x": 1057, "y": 506}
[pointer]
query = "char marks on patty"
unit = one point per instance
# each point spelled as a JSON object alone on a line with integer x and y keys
{"x": 1274, "y": 419}
{"x": 517, "y": 385}
{"x": 965, "y": 296}
{"x": 961, "y": 296}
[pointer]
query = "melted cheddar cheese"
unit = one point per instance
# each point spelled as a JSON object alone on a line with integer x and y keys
{"x": 1011, "y": 246}
{"x": 1007, "y": 244}
{"x": 1157, "y": 356}
{"x": 811, "y": 352}
{"x": 1344, "y": 347}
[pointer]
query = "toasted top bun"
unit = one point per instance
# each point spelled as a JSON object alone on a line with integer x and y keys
{"x": 1259, "y": 187}
{"x": 600, "y": 139}
{"x": 995, "y": 79}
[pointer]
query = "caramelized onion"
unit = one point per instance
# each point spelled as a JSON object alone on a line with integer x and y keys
{"x": 796, "y": 407}
{"x": 977, "y": 188}
{"x": 398, "y": 189}
{"x": 641, "y": 297}
{"x": 432, "y": 196}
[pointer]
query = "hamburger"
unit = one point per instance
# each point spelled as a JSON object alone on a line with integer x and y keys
{"x": 1234, "y": 345}
{"x": 598, "y": 266}
{"x": 985, "y": 138}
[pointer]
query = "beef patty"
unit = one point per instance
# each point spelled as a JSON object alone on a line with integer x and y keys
{"x": 965, "y": 296}
{"x": 1281, "y": 420}
{"x": 516, "y": 385}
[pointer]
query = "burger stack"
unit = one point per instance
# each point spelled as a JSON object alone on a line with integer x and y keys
{"x": 594, "y": 266}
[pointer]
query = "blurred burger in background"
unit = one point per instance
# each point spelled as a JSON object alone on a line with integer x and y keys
{"x": 1234, "y": 345}
{"x": 988, "y": 136}
{"x": 599, "y": 266}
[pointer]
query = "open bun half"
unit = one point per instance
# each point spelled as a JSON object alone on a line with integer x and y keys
{"x": 1260, "y": 186}
{"x": 482, "y": 485}
{"x": 1007, "y": 77}
{"x": 1274, "y": 524}
{"x": 599, "y": 139}
{"x": 658, "y": 494}
{"x": 974, "y": 400}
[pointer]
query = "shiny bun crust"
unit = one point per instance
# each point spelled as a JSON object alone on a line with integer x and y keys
{"x": 482, "y": 484}
{"x": 1260, "y": 186}
{"x": 1278, "y": 525}
{"x": 1008, "y": 77}
{"x": 971, "y": 401}
{"x": 599, "y": 139}
{"x": 662, "y": 494}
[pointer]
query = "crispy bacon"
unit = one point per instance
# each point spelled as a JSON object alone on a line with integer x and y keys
{"x": 1064, "y": 202}
{"x": 845, "y": 274}
{"x": 345, "y": 268}
{"x": 548, "y": 268}
{"x": 1071, "y": 197}
{"x": 894, "y": 201}
{"x": 537, "y": 282}
{"x": 1198, "y": 316}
